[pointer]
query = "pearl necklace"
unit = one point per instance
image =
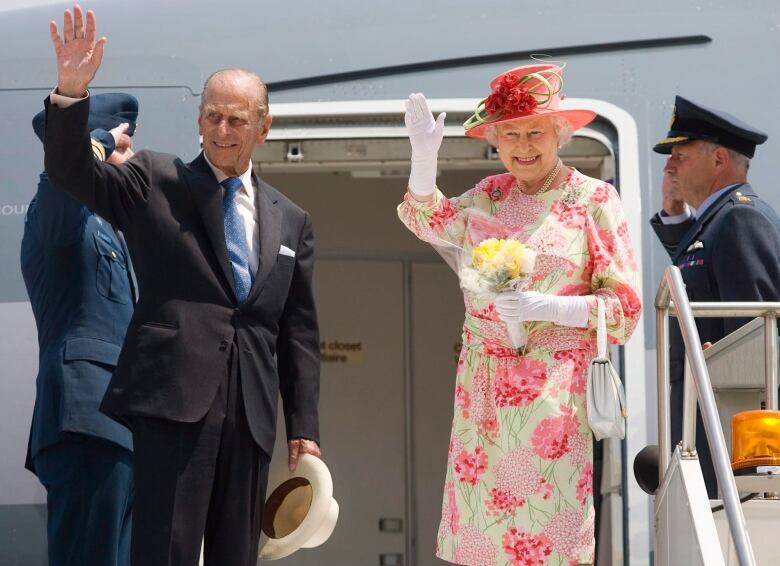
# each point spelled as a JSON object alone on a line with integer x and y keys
{"x": 547, "y": 181}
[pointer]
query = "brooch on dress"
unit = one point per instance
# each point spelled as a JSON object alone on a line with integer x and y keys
{"x": 572, "y": 195}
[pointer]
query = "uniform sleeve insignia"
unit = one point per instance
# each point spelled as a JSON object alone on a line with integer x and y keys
{"x": 98, "y": 151}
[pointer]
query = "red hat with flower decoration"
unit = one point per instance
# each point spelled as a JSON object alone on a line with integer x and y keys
{"x": 524, "y": 92}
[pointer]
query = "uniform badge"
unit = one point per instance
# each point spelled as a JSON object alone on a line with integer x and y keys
{"x": 697, "y": 245}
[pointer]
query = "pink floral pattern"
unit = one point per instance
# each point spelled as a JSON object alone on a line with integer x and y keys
{"x": 570, "y": 534}
{"x": 470, "y": 467}
{"x": 475, "y": 548}
{"x": 525, "y": 549}
{"x": 585, "y": 484}
{"x": 463, "y": 400}
{"x": 519, "y": 486}
{"x": 453, "y": 515}
{"x": 550, "y": 438}
{"x": 520, "y": 384}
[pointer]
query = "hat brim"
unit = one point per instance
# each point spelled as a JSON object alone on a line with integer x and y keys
{"x": 576, "y": 117}
{"x": 665, "y": 145}
{"x": 326, "y": 527}
{"x": 320, "y": 520}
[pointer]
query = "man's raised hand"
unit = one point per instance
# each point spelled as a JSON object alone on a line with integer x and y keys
{"x": 78, "y": 53}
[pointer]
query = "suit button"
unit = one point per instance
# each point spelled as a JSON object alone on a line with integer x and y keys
{"x": 223, "y": 345}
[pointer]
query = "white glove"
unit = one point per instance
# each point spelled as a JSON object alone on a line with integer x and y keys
{"x": 425, "y": 135}
{"x": 519, "y": 306}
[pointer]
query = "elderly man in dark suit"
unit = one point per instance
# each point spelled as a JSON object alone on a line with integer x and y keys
{"x": 77, "y": 273}
{"x": 729, "y": 249}
{"x": 225, "y": 321}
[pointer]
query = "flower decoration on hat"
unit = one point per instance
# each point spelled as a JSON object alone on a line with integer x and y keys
{"x": 515, "y": 95}
{"x": 525, "y": 92}
{"x": 511, "y": 97}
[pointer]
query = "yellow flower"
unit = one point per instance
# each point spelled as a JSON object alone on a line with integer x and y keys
{"x": 511, "y": 257}
{"x": 486, "y": 252}
{"x": 501, "y": 261}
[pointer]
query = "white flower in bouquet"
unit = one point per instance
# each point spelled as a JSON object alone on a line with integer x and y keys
{"x": 499, "y": 265}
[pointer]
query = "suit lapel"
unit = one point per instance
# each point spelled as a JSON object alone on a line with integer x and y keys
{"x": 208, "y": 195}
{"x": 701, "y": 222}
{"x": 270, "y": 219}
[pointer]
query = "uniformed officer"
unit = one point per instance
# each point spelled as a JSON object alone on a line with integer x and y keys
{"x": 78, "y": 276}
{"x": 722, "y": 236}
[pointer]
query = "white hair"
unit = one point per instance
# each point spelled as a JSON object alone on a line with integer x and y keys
{"x": 563, "y": 131}
{"x": 741, "y": 161}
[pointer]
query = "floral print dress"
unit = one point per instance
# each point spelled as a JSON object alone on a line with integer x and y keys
{"x": 519, "y": 483}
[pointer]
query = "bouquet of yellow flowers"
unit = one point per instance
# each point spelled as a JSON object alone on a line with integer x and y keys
{"x": 496, "y": 261}
{"x": 498, "y": 265}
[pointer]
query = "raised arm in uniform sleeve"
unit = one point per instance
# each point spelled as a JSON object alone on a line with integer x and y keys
{"x": 670, "y": 234}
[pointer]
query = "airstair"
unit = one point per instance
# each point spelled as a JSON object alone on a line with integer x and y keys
{"x": 734, "y": 375}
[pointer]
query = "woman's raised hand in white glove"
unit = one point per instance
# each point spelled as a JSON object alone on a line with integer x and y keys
{"x": 425, "y": 135}
{"x": 520, "y": 306}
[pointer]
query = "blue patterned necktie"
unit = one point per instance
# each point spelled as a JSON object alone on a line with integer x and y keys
{"x": 235, "y": 238}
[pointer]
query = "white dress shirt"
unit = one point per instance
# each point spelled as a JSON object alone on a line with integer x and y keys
{"x": 245, "y": 198}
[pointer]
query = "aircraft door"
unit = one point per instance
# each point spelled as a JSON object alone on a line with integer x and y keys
{"x": 360, "y": 306}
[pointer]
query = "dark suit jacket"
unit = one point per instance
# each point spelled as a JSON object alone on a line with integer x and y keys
{"x": 737, "y": 258}
{"x": 178, "y": 345}
{"x": 76, "y": 270}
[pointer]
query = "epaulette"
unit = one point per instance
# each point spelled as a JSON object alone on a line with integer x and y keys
{"x": 741, "y": 198}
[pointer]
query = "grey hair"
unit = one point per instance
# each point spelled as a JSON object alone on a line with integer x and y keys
{"x": 235, "y": 72}
{"x": 563, "y": 131}
{"x": 741, "y": 161}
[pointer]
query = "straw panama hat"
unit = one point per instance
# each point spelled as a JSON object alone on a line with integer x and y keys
{"x": 524, "y": 92}
{"x": 301, "y": 511}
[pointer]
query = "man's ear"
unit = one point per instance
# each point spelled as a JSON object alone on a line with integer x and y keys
{"x": 266, "y": 127}
{"x": 722, "y": 157}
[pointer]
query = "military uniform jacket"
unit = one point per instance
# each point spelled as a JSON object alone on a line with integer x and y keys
{"x": 187, "y": 323}
{"x": 731, "y": 253}
{"x": 77, "y": 273}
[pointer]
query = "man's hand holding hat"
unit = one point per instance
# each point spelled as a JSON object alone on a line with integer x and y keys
{"x": 299, "y": 446}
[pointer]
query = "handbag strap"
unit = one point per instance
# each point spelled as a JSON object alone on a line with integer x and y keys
{"x": 601, "y": 330}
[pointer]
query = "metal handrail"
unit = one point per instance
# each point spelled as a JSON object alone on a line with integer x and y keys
{"x": 673, "y": 289}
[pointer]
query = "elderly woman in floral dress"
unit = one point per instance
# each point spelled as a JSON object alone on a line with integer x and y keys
{"x": 519, "y": 477}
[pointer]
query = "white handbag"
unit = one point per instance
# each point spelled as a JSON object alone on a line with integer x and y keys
{"x": 605, "y": 398}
